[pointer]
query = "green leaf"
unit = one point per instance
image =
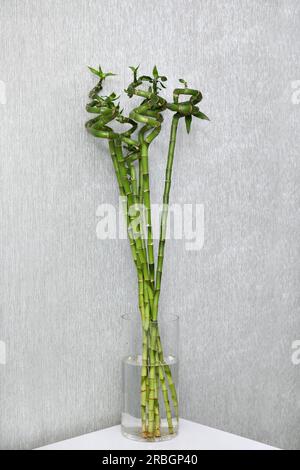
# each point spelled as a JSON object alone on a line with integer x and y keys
{"x": 101, "y": 74}
{"x": 155, "y": 72}
{"x": 163, "y": 78}
{"x": 134, "y": 69}
{"x": 94, "y": 71}
{"x": 201, "y": 115}
{"x": 183, "y": 81}
{"x": 188, "y": 122}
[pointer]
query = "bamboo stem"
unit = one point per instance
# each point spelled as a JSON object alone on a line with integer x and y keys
{"x": 147, "y": 202}
{"x": 164, "y": 216}
{"x": 168, "y": 374}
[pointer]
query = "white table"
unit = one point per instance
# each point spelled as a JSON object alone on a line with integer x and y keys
{"x": 192, "y": 436}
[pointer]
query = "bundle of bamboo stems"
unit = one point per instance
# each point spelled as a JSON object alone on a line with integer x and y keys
{"x": 129, "y": 152}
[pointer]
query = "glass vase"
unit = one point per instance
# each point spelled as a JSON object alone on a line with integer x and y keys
{"x": 150, "y": 378}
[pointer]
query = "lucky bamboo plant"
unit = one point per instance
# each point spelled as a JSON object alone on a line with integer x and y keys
{"x": 129, "y": 151}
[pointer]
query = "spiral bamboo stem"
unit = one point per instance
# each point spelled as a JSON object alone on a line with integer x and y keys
{"x": 130, "y": 158}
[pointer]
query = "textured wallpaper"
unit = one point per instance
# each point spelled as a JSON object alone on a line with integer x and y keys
{"x": 63, "y": 290}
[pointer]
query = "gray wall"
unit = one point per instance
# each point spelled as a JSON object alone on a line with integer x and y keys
{"x": 62, "y": 290}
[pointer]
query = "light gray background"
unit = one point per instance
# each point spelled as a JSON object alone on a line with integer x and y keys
{"x": 63, "y": 291}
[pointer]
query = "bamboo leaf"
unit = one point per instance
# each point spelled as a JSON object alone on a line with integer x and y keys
{"x": 95, "y": 72}
{"x": 155, "y": 72}
{"x": 109, "y": 74}
{"x": 201, "y": 115}
{"x": 188, "y": 122}
{"x": 134, "y": 69}
{"x": 101, "y": 74}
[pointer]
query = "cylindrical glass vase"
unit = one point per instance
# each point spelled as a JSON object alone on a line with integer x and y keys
{"x": 150, "y": 378}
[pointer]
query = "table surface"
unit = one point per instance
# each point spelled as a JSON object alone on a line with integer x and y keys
{"x": 191, "y": 436}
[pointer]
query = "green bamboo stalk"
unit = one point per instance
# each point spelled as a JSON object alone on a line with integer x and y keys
{"x": 112, "y": 150}
{"x": 168, "y": 374}
{"x": 147, "y": 202}
{"x": 161, "y": 378}
{"x": 153, "y": 386}
{"x": 157, "y": 431}
{"x": 164, "y": 216}
{"x": 144, "y": 384}
{"x": 165, "y": 394}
